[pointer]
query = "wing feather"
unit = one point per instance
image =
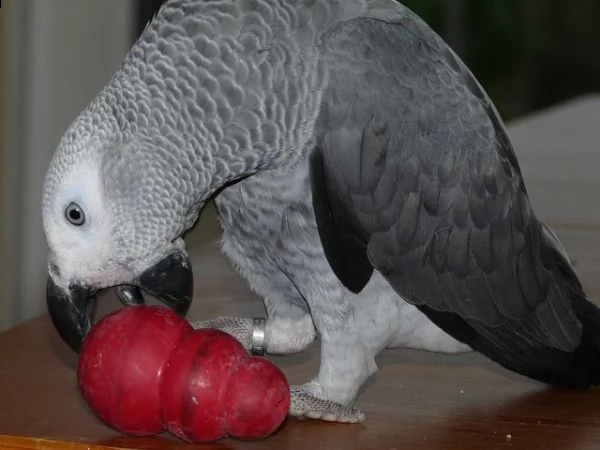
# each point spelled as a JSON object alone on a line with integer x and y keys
{"x": 420, "y": 172}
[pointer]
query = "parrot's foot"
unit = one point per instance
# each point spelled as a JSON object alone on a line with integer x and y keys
{"x": 306, "y": 404}
{"x": 240, "y": 328}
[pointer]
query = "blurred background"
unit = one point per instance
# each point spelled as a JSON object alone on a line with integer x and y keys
{"x": 55, "y": 55}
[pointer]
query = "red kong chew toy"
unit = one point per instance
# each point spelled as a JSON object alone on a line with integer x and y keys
{"x": 143, "y": 368}
{"x": 212, "y": 388}
{"x": 121, "y": 363}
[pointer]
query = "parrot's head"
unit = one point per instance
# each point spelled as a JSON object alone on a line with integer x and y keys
{"x": 131, "y": 174}
{"x": 114, "y": 211}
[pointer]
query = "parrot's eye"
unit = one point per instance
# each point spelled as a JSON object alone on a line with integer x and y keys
{"x": 74, "y": 214}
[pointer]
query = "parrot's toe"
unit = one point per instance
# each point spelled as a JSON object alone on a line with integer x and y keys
{"x": 240, "y": 328}
{"x": 304, "y": 404}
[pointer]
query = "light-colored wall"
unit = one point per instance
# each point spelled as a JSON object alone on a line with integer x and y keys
{"x": 57, "y": 55}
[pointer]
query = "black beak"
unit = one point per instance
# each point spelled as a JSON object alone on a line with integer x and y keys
{"x": 170, "y": 280}
{"x": 71, "y": 311}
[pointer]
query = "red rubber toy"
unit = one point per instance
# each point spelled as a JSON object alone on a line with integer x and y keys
{"x": 143, "y": 369}
{"x": 121, "y": 363}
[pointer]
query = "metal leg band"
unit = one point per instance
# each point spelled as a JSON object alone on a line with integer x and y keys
{"x": 257, "y": 346}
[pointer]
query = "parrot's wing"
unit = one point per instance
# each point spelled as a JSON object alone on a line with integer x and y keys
{"x": 414, "y": 175}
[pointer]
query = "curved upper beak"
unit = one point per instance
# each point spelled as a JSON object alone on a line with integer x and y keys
{"x": 170, "y": 280}
{"x": 71, "y": 311}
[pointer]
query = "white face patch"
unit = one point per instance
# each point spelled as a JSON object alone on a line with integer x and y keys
{"x": 82, "y": 251}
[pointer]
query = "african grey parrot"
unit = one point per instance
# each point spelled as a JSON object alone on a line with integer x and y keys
{"x": 365, "y": 184}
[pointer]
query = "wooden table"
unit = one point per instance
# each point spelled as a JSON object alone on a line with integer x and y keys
{"x": 416, "y": 400}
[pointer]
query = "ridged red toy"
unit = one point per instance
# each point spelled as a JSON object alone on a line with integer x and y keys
{"x": 257, "y": 400}
{"x": 211, "y": 389}
{"x": 121, "y": 363}
{"x": 143, "y": 369}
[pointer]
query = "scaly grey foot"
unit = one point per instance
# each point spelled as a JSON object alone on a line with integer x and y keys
{"x": 240, "y": 328}
{"x": 304, "y": 404}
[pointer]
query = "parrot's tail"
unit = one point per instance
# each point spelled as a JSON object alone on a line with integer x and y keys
{"x": 586, "y": 358}
{"x": 579, "y": 368}
{"x": 511, "y": 345}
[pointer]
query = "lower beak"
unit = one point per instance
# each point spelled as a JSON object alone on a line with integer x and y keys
{"x": 170, "y": 280}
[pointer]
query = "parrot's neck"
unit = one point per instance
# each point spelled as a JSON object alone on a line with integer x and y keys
{"x": 229, "y": 97}
{"x": 216, "y": 92}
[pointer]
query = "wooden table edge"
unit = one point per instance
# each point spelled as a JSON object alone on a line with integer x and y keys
{"x": 17, "y": 442}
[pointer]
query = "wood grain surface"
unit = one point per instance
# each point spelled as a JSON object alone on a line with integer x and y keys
{"x": 417, "y": 400}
